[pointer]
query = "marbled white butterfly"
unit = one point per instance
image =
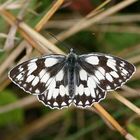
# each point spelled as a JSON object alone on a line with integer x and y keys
{"x": 59, "y": 80}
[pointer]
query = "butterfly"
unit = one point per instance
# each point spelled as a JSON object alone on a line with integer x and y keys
{"x": 59, "y": 81}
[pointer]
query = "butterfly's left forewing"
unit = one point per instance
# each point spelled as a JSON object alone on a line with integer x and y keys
{"x": 34, "y": 75}
{"x": 109, "y": 72}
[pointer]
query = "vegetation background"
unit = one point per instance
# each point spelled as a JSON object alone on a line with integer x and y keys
{"x": 111, "y": 26}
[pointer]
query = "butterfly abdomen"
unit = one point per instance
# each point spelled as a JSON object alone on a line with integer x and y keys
{"x": 71, "y": 73}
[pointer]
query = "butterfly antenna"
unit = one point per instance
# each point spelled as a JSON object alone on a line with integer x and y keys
{"x": 63, "y": 44}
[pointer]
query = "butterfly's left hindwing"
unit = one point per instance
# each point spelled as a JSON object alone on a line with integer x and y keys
{"x": 33, "y": 76}
{"x": 108, "y": 72}
{"x": 56, "y": 94}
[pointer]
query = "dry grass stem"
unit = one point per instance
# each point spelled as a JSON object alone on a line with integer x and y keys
{"x": 116, "y": 28}
{"x": 86, "y": 23}
{"x": 98, "y": 9}
{"x": 136, "y": 76}
{"x": 39, "y": 39}
{"x": 130, "y": 18}
{"x": 130, "y": 90}
{"x": 34, "y": 38}
{"x": 4, "y": 84}
{"x": 108, "y": 20}
{"x": 24, "y": 8}
{"x": 127, "y": 92}
{"x": 108, "y": 123}
{"x": 8, "y": 62}
{"x": 22, "y": 103}
{"x": 11, "y": 4}
{"x": 111, "y": 122}
{"x": 130, "y": 137}
{"x": 9, "y": 43}
{"x": 127, "y": 103}
{"x": 133, "y": 50}
{"x": 135, "y": 59}
{"x": 48, "y": 15}
{"x": 110, "y": 119}
{"x": 38, "y": 125}
{"x": 2, "y": 35}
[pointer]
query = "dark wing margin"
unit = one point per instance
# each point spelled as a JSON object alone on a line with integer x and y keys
{"x": 109, "y": 72}
{"x": 33, "y": 75}
{"x": 56, "y": 94}
{"x": 87, "y": 90}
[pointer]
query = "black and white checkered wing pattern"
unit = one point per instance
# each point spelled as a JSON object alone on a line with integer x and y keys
{"x": 56, "y": 94}
{"x": 89, "y": 77}
{"x": 107, "y": 71}
{"x": 87, "y": 90}
{"x": 33, "y": 76}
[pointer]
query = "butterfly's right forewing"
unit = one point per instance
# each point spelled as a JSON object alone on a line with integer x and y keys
{"x": 33, "y": 76}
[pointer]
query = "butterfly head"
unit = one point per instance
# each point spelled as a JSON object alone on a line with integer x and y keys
{"x": 72, "y": 55}
{"x": 71, "y": 50}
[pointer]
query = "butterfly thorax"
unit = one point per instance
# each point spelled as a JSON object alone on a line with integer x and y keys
{"x": 71, "y": 62}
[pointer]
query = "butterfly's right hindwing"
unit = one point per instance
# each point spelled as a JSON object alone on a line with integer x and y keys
{"x": 33, "y": 76}
{"x": 87, "y": 90}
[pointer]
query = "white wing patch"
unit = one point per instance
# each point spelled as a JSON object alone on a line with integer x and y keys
{"x": 114, "y": 74}
{"x": 50, "y": 62}
{"x": 60, "y": 75}
{"x": 35, "y": 81}
{"x": 45, "y": 77}
{"x": 83, "y": 74}
{"x": 99, "y": 75}
{"x": 94, "y": 60}
{"x": 42, "y": 73}
{"x": 109, "y": 77}
{"x": 31, "y": 68}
